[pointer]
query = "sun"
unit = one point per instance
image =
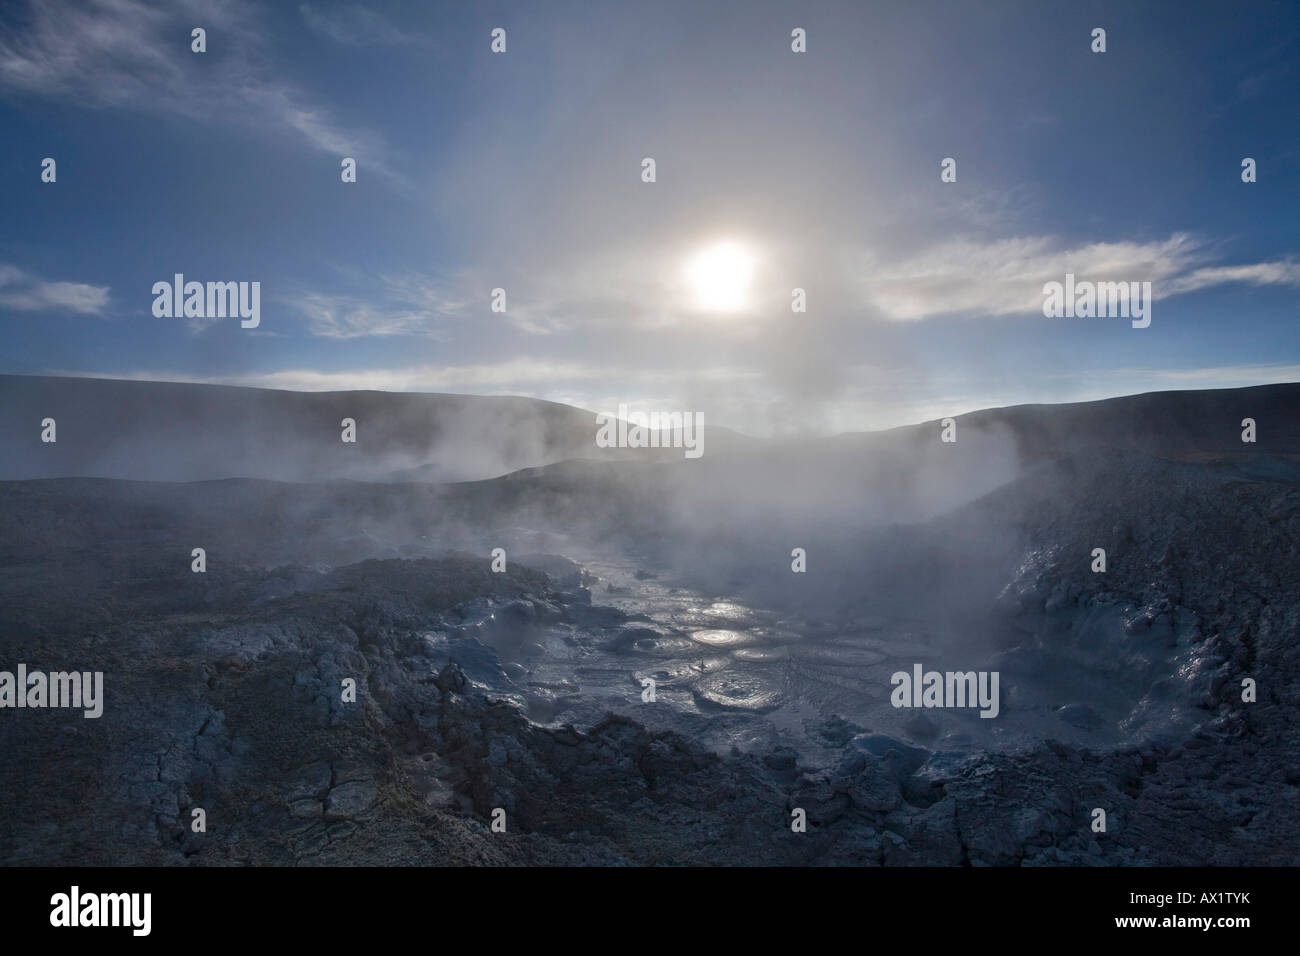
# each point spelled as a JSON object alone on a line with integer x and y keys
{"x": 719, "y": 276}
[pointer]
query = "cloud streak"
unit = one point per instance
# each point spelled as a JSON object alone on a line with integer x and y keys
{"x": 355, "y": 25}
{"x": 27, "y": 293}
{"x": 403, "y": 305}
{"x": 126, "y": 54}
{"x": 1006, "y": 276}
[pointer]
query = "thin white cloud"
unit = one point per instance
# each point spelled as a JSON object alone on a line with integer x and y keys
{"x": 341, "y": 317}
{"x": 23, "y": 292}
{"x": 1262, "y": 273}
{"x": 1223, "y": 376}
{"x": 411, "y": 305}
{"x": 130, "y": 55}
{"x": 355, "y": 25}
{"x": 1006, "y": 276}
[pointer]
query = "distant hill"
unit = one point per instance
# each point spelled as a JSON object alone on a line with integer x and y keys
{"x": 908, "y": 473}
{"x": 167, "y": 431}
{"x": 1195, "y": 424}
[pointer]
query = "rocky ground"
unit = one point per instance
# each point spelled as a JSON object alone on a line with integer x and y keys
{"x": 224, "y": 689}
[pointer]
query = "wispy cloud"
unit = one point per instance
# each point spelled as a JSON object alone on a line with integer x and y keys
{"x": 127, "y": 54}
{"x": 342, "y": 317}
{"x": 27, "y": 293}
{"x": 1261, "y": 273}
{"x": 403, "y": 305}
{"x": 1006, "y": 276}
{"x": 355, "y": 25}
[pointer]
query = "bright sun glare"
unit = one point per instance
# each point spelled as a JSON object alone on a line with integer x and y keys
{"x": 719, "y": 277}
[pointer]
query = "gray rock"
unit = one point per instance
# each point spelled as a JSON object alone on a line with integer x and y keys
{"x": 352, "y": 798}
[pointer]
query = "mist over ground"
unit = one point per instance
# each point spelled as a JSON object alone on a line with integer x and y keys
{"x": 521, "y": 685}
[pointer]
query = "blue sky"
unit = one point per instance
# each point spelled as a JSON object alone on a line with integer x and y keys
{"x": 522, "y": 171}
